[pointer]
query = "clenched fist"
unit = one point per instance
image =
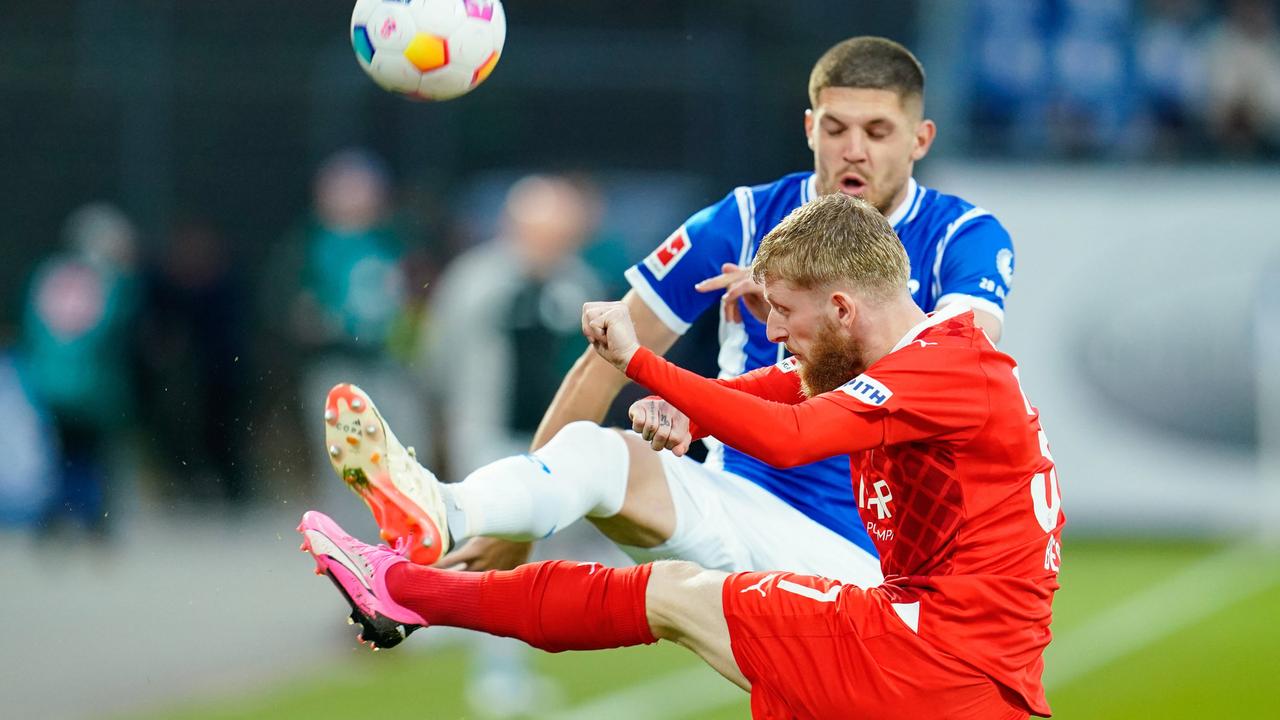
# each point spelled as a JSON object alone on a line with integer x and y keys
{"x": 661, "y": 425}
{"x": 610, "y": 331}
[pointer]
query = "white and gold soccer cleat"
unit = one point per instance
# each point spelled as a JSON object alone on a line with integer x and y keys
{"x": 404, "y": 497}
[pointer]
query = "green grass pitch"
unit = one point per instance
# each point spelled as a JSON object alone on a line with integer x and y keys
{"x": 1218, "y": 657}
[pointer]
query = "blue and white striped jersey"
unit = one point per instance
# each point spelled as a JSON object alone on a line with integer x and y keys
{"x": 958, "y": 252}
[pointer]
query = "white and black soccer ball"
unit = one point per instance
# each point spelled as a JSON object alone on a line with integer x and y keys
{"x": 428, "y": 49}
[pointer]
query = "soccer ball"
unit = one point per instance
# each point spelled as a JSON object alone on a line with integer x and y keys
{"x": 428, "y": 49}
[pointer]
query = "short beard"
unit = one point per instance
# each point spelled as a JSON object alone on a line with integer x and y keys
{"x": 832, "y": 361}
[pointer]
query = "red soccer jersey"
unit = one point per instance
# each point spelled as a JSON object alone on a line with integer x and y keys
{"x": 952, "y": 474}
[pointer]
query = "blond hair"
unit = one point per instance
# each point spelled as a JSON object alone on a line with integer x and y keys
{"x": 835, "y": 238}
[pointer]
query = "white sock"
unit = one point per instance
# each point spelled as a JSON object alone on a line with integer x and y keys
{"x": 581, "y": 472}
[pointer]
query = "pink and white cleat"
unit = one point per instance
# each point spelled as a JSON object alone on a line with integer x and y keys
{"x": 403, "y": 496}
{"x": 359, "y": 572}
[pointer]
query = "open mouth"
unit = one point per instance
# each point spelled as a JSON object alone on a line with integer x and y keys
{"x": 851, "y": 184}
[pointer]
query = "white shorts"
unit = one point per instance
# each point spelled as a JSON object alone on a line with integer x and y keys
{"x": 726, "y": 522}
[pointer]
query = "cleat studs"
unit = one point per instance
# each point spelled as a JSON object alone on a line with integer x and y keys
{"x": 371, "y": 429}
{"x": 335, "y": 451}
{"x": 330, "y": 416}
{"x": 375, "y": 647}
{"x": 357, "y": 404}
{"x": 350, "y": 621}
{"x": 353, "y": 441}
{"x": 412, "y": 453}
{"x": 426, "y": 542}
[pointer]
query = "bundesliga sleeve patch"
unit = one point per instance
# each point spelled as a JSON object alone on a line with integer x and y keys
{"x": 661, "y": 261}
{"x": 867, "y": 389}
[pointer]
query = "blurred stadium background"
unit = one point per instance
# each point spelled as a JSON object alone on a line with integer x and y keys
{"x": 209, "y": 214}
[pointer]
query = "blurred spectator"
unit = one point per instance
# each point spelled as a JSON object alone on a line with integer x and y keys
{"x": 340, "y": 294}
{"x": 1092, "y": 69}
{"x": 1171, "y": 71}
{"x": 1011, "y": 75}
{"x": 28, "y": 476}
{"x": 76, "y": 336}
{"x": 506, "y": 329}
{"x": 1244, "y": 79}
{"x": 1094, "y": 78}
{"x": 352, "y": 285}
{"x": 195, "y": 355}
{"x": 507, "y": 322}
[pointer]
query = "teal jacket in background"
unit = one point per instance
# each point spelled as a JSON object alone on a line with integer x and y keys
{"x": 77, "y": 339}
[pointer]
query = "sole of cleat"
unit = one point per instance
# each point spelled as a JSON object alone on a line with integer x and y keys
{"x": 363, "y": 467}
{"x": 379, "y": 631}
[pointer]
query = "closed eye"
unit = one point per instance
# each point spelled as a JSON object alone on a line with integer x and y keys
{"x": 879, "y": 130}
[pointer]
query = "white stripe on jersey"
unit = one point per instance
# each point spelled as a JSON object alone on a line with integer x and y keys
{"x": 971, "y": 301}
{"x": 915, "y": 209}
{"x": 942, "y": 244}
{"x": 655, "y": 301}
{"x": 908, "y": 202}
{"x": 747, "y": 211}
{"x": 733, "y": 336}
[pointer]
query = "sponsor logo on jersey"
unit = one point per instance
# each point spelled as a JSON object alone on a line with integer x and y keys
{"x": 878, "y": 498}
{"x": 868, "y": 390}
{"x": 661, "y": 261}
{"x": 789, "y": 364}
{"x": 759, "y": 587}
{"x": 1004, "y": 263}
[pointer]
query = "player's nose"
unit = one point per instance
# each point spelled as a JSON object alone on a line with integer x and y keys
{"x": 774, "y": 329}
{"x": 855, "y": 149}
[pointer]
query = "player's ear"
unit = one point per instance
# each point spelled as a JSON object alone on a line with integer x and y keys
{"x": 843, "y": 309}
{"x": 926, "y": 131}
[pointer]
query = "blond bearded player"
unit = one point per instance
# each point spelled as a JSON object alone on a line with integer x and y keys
{"x": 948, "y": 459}
{"x": 735, "y": 512}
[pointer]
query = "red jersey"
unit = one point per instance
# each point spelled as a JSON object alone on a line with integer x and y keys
{"x": 952, "y": 474}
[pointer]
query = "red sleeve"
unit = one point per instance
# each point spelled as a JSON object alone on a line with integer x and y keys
{"x": 912, "y": 394}
{"x": 779, "y": 433}
{"x": 779, "y": 383}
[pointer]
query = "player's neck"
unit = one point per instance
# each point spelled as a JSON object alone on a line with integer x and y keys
{"x": 893, "y": 321}
{"x": 899, "y": 200}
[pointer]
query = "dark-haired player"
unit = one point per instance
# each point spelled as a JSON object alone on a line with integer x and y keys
{"x": 735, "y": 512}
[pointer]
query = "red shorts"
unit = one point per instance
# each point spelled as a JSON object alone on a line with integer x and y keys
{"x": 813, "y": 648}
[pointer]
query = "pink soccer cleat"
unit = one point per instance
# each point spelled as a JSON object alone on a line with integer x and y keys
{"x": 403, "y": 496}
{"x": 359, "y": 572}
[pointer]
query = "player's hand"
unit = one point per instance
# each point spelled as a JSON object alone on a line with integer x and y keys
{"x": 610, "y": 331}
{"x": 737, "y": 284}
{"x": 487, "y": 553}
{"x": 661, "y": 425}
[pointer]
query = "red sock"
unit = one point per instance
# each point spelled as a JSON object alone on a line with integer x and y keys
{"x": 553, "y": 606}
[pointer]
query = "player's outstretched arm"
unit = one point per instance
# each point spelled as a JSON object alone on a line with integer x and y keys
{"x": 781, "y": 434}
{"x": 591, "y": 385}
{"x": 665, "y": 427}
